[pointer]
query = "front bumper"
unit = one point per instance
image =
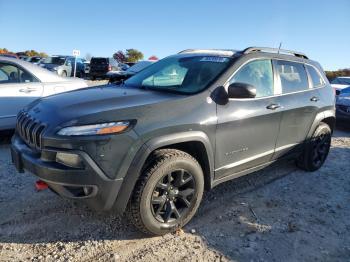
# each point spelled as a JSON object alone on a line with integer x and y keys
{"x": 89, "y": 184}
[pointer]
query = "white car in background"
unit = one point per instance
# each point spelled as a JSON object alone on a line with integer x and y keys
{"x": 22, "y": 82}
{"x": 340, "y": 83}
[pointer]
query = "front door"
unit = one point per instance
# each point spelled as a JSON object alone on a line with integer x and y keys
{"x": 18, "y": 88}
{"x": 248, "y": 128}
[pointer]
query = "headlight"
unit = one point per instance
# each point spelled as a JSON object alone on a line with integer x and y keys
{"x": 98, "y": 129}
{"x": 55, "y": 68}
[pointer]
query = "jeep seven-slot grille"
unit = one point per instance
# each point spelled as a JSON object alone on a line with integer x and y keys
{"x": 29, "y": 129}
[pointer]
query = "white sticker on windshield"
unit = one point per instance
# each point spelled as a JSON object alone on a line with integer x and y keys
{"x": 214, "y": 59}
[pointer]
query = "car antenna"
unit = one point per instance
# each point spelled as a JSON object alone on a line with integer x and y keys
{"x": 279, "y": 48}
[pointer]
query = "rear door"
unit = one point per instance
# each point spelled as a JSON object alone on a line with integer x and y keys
{"x": 299, "y": 102}
{"x": 99, "y": 66}
{"x": 17, "y": 89}
{"x": 247, "y": 128}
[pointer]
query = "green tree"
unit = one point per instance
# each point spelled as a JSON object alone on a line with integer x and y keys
{"x": 35, "y": 53}
{"x": 133, "y": 55}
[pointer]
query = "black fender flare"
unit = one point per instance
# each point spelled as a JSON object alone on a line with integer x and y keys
{"x": 329, "y": 113}
{"x": 144, "y": 152}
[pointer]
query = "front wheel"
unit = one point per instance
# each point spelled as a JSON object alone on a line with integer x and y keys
{"x": 317, "y": 149}
{"x": 168, "y": 193}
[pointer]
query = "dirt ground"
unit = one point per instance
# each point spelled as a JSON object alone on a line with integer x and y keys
{"x": 278, "y": 214}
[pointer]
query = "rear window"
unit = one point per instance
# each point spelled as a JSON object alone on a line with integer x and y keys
{"x": 316, "y": 78}
{"x": 99, "y": 61}
{"x": 293, "y": 76}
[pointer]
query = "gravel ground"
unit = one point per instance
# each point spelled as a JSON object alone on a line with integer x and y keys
{"x": 278, "y": 214}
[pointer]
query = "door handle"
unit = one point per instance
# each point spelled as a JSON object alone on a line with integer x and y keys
{"x": 27, "y": 90}
{"x": 314, "y": 99}
{"x": 273, "y": 106}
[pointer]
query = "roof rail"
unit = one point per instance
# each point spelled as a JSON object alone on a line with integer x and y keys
{"x": 225, "y": 52}
{"x": 273, "y": 50}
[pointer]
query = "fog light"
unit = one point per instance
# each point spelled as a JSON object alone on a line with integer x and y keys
{"x": 69, "y": 159}
{"x": 87, "y": 190}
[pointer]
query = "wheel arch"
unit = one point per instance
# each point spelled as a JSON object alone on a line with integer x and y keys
{"x": 195, "y": 143}
{"x": 327, "y": 116}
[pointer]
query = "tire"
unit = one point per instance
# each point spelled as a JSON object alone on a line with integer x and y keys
{"x": 172, "y": 179}
{"x": 317, "y": 149}
{"x": 64, "y": 74}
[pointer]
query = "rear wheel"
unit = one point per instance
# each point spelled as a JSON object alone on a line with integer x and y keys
{"x": 317, "y": 149}
{"x": 64, "y": 74}
{"x": 168, "y": 193}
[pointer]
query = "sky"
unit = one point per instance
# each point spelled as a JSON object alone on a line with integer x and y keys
{"x": 320, "y": 29}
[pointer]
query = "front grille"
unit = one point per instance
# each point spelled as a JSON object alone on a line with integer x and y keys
{"x": 30, "y": 129}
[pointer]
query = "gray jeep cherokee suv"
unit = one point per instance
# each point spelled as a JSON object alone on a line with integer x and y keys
{"x": 182, "y": 125}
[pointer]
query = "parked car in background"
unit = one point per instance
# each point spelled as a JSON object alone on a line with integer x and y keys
{"x": 63, "y": 65}
{"x": 340, "y": 83}
{"x": 35, "y": 60}
{"x": 119, "y": 76}
{"x": 22, "y": 82}
{"x": 9, "y": 55}
{"x": 86, "y": 68}
{"x": 182, "y": 125}
{"x": 100, "y": 66}
{"x": 23, "y": 57}
{"x": 343, "y": 105}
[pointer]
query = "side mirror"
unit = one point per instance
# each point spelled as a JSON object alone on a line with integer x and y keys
{"x": 241, "y": 90}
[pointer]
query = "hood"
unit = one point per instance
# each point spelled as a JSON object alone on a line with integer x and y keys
{"x": 93, "y": 103}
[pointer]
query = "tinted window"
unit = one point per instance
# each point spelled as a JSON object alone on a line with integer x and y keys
{"x": 12, "y": 74}
{"x": 257, "y": 73}
{"x": 316, "y": 78}
{"x": 99, "y": 61}
{"x": 293, "y": 76}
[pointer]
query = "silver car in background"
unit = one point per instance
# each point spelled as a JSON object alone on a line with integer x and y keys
{"x": 22, "y": 82}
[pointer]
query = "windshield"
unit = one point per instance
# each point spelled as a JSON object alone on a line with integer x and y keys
{"x": 341, "y": 81}
{"x": 139, "y": 66}
{"x": 54, "y": 60}
{"x": 186, "y": 75}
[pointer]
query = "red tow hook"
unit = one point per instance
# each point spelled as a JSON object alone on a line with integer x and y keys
{"x": 41, "y": 185}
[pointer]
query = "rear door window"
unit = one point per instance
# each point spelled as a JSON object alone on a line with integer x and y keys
{"x": 315, "y": 76}
{"x": 292, "y": 75}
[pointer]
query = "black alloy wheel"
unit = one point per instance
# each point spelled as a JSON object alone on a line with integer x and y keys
{"x": 316, "y": 150}
{"x": 321, "y": 145}
{"x": 172, "y": 196}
